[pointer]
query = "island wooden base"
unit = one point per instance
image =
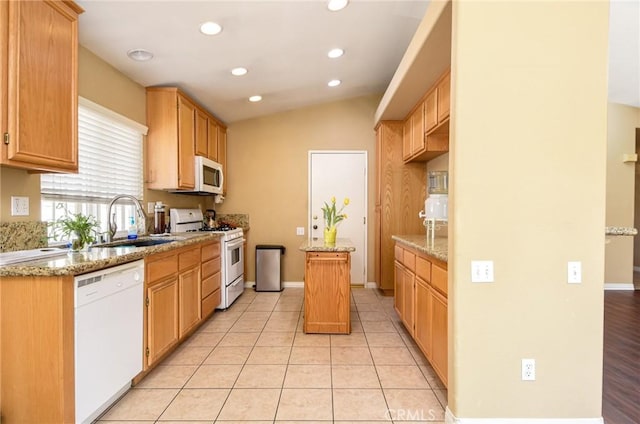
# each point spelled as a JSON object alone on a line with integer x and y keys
{"x": 327, "y": 292}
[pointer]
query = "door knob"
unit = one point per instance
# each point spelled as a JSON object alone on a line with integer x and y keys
{"x": 315, "y": 227}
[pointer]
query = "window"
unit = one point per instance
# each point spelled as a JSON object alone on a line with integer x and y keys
{"x": 109, "y": 162}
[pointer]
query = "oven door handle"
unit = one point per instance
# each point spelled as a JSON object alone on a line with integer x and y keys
{"x": 235, "y": 243}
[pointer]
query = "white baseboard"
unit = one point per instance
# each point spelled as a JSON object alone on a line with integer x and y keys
{"x": 300, "y": 284}
{"x": 291, "y": 284}
{"x": 619, "y": 286}
{"x": 449, "y": 418}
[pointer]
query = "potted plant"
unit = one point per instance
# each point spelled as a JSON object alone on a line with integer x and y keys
{"x": 78, "y": 228}
{"x": 332, "y": 218}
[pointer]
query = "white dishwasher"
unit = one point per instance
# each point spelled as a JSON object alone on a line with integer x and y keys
{"x": 108, "y": 336}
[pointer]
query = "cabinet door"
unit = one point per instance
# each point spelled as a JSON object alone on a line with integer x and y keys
{"x": 406, "y": 138}
{"x": 408, "y": 283}
{"x": 398, "y": 286}
{"x": 417, "y": 130}
{"x": 190, "y": 300}
{"x": 431, "y": 111}
{"x": 222, "y": 155}
{"x": 162, "y": 318}
{"x": 186, "y": 135}
{"x": 201, "y": 134}
{"x": 42, "y": 99}
{"x": 212, "y": 143}
{"x": 327, "y": 292}
{"x": 444, "y": 93}
{"x": 439, "y": 357}
{"x": 422, "y": 304}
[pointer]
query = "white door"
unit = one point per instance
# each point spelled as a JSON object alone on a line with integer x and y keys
{"x": 341, "y": 174}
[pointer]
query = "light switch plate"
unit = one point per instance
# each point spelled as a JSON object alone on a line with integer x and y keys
{"x": 299, "y": 231}
{"x": 19, "y": 206}
{"x": 482, "y": 271}
{"x": 574, "y": 272}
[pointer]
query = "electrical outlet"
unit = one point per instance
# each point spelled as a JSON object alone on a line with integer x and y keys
{"x": 19, "y": 206}
{"x": 150, "y": 206}
{"x": 299, "y": 231}
{"x": 574, "y": 272}
{"x": 482, "y": 271}
{"x": 528, "y": 369}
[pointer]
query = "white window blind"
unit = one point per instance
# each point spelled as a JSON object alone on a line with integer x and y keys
{"x": 109, "y": 158}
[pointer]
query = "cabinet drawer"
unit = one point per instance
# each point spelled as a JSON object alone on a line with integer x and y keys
{"x": 327, "y": 256}
{"x": 439, "y": 279}
{"x": 409, "y": 260}
{"x": 398, "y": 253}
{"x": 210, "y": 303}
{"x": 423, "y": 269}
{"x": 210, "y": 267}
{"x": 159, "y": 267}
{"x": 210, "y": 284}
{"x": 189, "y": 258}
{"x": 210, "y": 251}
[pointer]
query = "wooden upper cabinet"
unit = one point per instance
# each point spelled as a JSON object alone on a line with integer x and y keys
{"x": 222, "y": 155}
{"x": 431, "y": 111}
{"x": 202, "y": 134}
{"x": 186, "y": 143}
{"x": 39, "y": 108}
{"x": 417, "y": 129}
{"x": 444, "y": 97}
{"x": 406, "y": 138}
{"x": 429, "y": 124}
{"x": 212, "y": 140}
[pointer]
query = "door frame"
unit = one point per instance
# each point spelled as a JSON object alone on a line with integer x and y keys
{"x": 366, "y": 202}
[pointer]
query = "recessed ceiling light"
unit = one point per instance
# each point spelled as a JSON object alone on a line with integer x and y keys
{"x": 334, "y": 53}
{"x": 239, "y": 71}
{"x": 335, "y": 5}
{"x": 210, "y": 28}
{"x": 140, "y": 55}
{"x": 334, "y": 83}
{"x": 255, "y": 98}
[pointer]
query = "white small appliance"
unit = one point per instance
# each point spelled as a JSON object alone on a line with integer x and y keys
{"x": 209, "y": 177}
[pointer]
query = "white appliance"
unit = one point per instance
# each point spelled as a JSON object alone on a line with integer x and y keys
{"x": 108, "y": 336}
{"x": 231, "y": 251}
{"x": 209, "y": 177}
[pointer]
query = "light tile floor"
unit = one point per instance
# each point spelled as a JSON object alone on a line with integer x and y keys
{"x": 254, "y": 363}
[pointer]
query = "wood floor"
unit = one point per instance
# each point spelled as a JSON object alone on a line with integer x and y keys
{"x": 621, "y": 387}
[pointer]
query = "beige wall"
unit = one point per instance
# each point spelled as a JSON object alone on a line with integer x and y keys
{"x": 636, "y": 219}
{"x": 267, "y": 172}
{"x": 528, "y": 148}
{"x": 101, "y": 83}
{"x": 621, "y": 139}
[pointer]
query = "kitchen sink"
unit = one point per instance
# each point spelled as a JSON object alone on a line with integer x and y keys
{"x": 136, "y": 243}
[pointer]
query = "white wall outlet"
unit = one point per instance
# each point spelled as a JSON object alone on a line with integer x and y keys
{"x": 299, "y": 231}
{"x": 150, "y": 206}
{"x": 528, "y": 369}
{"x": 574, "y": 272}
{"x": 482, "y": 271}
{"x": 19, "y": 206}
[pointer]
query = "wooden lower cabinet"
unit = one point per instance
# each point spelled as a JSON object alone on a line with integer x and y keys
{"x": 174, "y": 287}
{"x": 421, "y": 303}
{"x": 422, "y": 333}
{"x": 439, "y": 334}
{"x": 162, "y": 319}
{"x": 327, "y": 292}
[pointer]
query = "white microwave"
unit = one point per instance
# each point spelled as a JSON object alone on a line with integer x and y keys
{"x": 209, "y": 176}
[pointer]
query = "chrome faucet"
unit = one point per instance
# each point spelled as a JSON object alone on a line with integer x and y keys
{"x": 112, "y": 223}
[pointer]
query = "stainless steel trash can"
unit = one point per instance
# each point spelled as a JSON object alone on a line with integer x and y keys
{"x": 269, "y": 267}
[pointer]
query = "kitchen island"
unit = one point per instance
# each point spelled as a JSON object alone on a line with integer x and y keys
{"x": 327, "y": 286}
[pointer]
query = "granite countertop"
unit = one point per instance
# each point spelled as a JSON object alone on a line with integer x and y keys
{"x": 438, "y": 249}
{"x": 317, "y": 245}
{"x": 620, "y": 231}
{"x": 97, "y": 258}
